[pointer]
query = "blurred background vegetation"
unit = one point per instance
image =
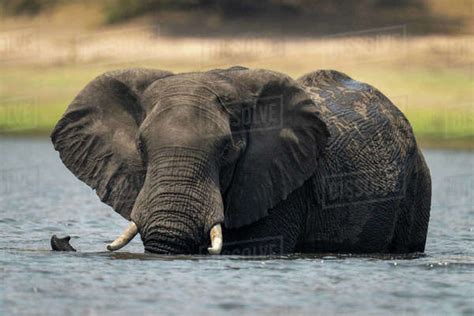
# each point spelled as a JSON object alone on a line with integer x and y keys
{"x": 417, "y": 52}
{"x": 317, "y": 16}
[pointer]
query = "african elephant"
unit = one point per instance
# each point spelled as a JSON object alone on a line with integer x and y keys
{"x": 249, "y": 161}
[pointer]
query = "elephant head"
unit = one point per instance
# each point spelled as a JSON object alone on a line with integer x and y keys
{"x": 180, "y": 155}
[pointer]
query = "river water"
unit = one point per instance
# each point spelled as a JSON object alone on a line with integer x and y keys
{"x": 39, "y": 197}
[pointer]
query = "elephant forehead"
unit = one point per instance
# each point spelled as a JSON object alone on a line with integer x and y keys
{"x": 196, "y": 87}
{"x": 185, "y": 106}
{"x": 209, "y": 94}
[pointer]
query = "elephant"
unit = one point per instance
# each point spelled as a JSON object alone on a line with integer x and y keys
{"x": 249, "y": 161}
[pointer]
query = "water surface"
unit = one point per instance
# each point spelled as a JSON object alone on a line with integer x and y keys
{"x": 39, "y": 197}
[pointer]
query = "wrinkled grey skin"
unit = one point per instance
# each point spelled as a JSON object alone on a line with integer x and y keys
{"x": 320, "y": 164}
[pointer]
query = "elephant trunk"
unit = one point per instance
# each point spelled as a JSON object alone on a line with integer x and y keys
{"x": 180, "y": 203}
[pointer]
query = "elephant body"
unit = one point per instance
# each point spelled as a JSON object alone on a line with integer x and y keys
{"x": 371, "y": 191}
{"x": 320, "y": 164}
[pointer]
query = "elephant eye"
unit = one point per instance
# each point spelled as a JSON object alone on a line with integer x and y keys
{"x": 141, "y": 147}
{"x": 229, "y": 153}
{"x": 226, "y": 150}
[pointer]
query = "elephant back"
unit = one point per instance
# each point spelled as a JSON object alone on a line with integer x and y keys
{"x": 361, "y": 120}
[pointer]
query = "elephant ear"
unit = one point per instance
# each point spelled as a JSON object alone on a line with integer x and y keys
{"x": 285, "y": 137}
{"x": 96, "y": 137}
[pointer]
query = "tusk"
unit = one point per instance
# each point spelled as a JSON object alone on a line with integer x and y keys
{"x": 216, "y": 240}
{"x": 125, "y": 238}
